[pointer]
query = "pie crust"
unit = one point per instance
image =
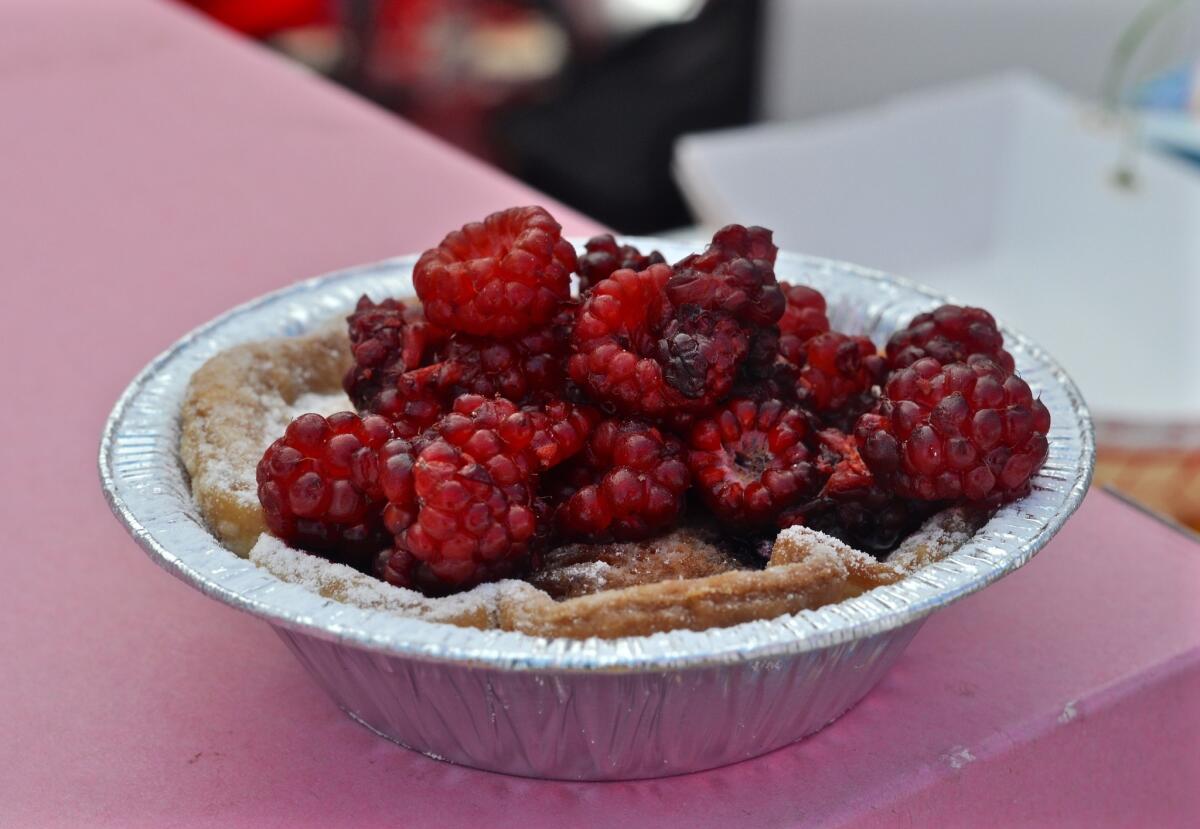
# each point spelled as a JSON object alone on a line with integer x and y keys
{"x": 242, "y": 398}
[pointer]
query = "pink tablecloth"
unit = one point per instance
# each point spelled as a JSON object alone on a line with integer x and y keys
{"x": 155, "y": 172}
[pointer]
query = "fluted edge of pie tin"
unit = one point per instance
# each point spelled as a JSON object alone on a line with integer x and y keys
{"x": 579, "y": 709}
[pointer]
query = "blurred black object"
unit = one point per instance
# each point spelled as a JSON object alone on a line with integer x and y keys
{"x": 603, "y": 141}
{"x": 581, "y": 98}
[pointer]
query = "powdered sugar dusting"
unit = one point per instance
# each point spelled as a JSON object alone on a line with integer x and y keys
{"x": 825, "y": 549}
{"x": 239, "y": 479}
{"x": 476, "y": 607}
{"x": 483, "y": 605}
{"x": 937, "y": 537}
{"x": 816, "y": 544}
{"x": 591, "y": 575}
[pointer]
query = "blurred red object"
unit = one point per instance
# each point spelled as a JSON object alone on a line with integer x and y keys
{"x": 263, "y": 18}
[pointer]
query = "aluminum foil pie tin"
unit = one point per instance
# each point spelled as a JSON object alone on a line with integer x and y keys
{"x": 578, "y": 709}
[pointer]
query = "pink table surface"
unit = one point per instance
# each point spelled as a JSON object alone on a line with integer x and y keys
{"x": 154, "y": 172}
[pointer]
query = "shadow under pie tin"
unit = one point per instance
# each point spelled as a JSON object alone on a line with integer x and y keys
{"x": 587, "y": 709}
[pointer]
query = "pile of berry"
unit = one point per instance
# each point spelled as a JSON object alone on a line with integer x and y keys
{"x": 504, "y": 415}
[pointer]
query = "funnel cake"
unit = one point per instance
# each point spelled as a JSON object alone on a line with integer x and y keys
{"x": 686, "y": 578}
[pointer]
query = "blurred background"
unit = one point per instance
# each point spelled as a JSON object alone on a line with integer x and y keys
{"x": 1040, "y": 158}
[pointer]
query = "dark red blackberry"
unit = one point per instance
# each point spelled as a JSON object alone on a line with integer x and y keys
{"x": 851, "y": 506}
{"x": 870, "y": 519}
{"x": 387, "y": 339}
{"x": 499, "y": 277}
{"x": 734, "y": 275}
{"x": 399, "y": 568}
{"x": 949, "y": 334}
{"x": 845, "y": 417}
{"x": 766, "y": 374}
{"x": 530, "y": 367}
{"x": 635, "y": 352}
{"x": 629, "y": 483}
{"x": 733, "y": 242}
{"x": 526, "y": 369}
{"x": 319, "y": 485}
{"x": 803, "y": 319}
{"x": 837, "y": 369}
{"x": 962, "y": 431}
{"x": 751, "y": 461}
{"x": 604, "y": 256}
{"x": 772, "y": 369}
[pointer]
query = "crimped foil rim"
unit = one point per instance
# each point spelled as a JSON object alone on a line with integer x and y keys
{"x": 145, "y": 486}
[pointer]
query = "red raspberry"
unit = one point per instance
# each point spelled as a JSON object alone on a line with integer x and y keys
{"x": 469, "y": 526}
{"x": 634, "y": 350}
{"x": 803, "y": 319}
{"x": 966, "y": 430}
{"x": 735, "y": 274}
{"x": 604, "y": 256}
{"x": 628, "y": 484}
{"x": 838, "y": 369}
{"x": 319, "y": 484}
{"x": 529, "y": 368}
{"x": 949, "y": 334}
{"x": 499, "y": 448}
{"x": 495, "y": 431}
{"x": 753, "y": 460}
{"x": 387, "y": 339}
{"x": 499, "y": 277}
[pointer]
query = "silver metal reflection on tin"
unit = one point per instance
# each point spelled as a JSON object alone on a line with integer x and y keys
{"x": 592, "y": 709}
